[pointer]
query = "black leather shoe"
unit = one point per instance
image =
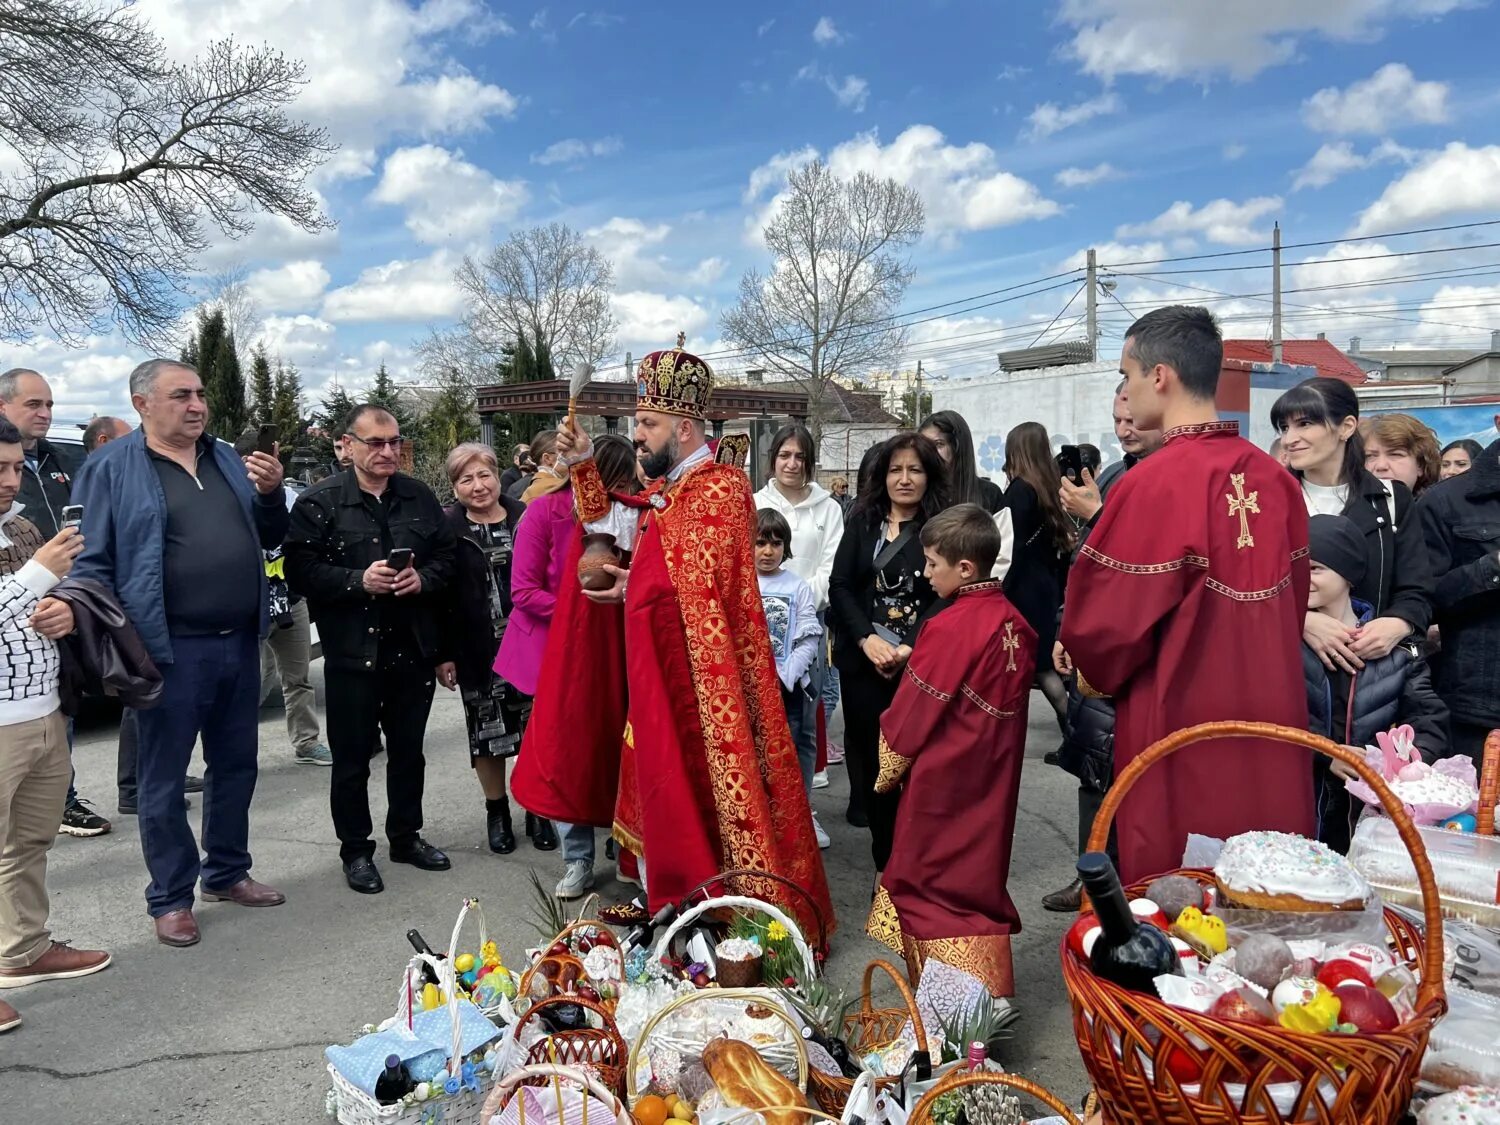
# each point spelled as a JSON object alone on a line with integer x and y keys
{"x": 362, "y": 876}
{"x": 1065, "y": 901}
{"x": 419, "y": 853}
{"x": 858, "y": 818}
{"x": 502, "y": 836}
{"x": 1052, "y": 758}
{"x": 545, "y": 839}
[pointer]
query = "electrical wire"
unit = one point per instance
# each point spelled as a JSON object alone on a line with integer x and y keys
{"x": 1321, "y": 242}
{"x": 1060, "y": 312}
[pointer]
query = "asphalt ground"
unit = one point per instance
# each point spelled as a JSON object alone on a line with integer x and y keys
{"x": 232, "y": 1031}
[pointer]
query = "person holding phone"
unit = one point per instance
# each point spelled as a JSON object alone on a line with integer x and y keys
{"x": 372, "y": 551}
{"x": 880, "y": 594}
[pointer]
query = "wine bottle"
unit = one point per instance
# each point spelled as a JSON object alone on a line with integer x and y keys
{"x": 429, "y": 974}
{"x": 979, "y": 1054}
{"x": 640, "y": 936}
{"x": 1128, "y": 953}
{"x": 394, "y": 1082}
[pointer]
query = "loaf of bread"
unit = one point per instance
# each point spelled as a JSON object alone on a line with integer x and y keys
{"x": 746, "y": 1080}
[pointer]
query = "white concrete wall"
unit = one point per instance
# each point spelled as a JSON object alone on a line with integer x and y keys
{"x": 844, "y": 445}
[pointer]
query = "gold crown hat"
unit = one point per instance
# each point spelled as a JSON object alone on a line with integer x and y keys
{"x": 673, "y": 381}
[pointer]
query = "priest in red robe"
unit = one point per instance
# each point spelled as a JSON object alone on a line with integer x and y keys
{"x": 957, "y": 728}
{"x": 709, "y": 779}
{"x": 1186, "y": 606}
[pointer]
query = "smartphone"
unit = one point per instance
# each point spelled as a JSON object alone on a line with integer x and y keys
{"x": 1070, "y": 462}
{"x": 72, "y": 515}
{"x": 265, "y": 439}
{"x": 399, "y": 558}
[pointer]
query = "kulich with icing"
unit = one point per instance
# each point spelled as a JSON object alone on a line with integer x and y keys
{"x": 1278, "y": 871}
{"x": 1468, "y": 1105}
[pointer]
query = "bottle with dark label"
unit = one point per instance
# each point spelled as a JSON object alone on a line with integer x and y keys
{"x": 1128, "y": 953}
{"x": 394, "y": 1082}
{"x": 429, "y": 975}
{"x": 640, "y": 936}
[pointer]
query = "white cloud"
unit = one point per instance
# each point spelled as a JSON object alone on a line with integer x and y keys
{"x": 376, "y": 69}
{"x": 293, "y": 286}
{"x": 447, "y": 199}
{"x": 575, "y": 151}
{"x": 402, "y": 290}
{"x": 1222, "y": 220}
{"x": 652, "y": 320}
{"x": 630, "y": 245}
{"x": 962, "y": 186}
{"x": 765, "y": 27}
{"x": 274, "y": 239}
{"x": 851, "y": 92}
{"x": 1116, "y": 253}
{"x": 1010, "y": 72}
{"x": 1049, "y": 117}
{"x": 1456, "y": 180}
{"x": 826, "y": 34}
{"x": 1348, "y": 264}
{"x": 1338, "y": 158}
{"x": 1087, "y": 177}
{"x": 1185, "y": 39}
{"x": 1390, "y": 97}
{"x": 303, "y": 340}
{"x": 1233, "y": 152}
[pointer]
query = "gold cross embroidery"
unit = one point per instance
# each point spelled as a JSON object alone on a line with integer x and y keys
{"x": 1011, "y": 643}
{"x": 1243, "y": 506}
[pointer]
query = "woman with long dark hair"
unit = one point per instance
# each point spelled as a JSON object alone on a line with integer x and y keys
{"x": 1043, "y": 540}
{"x": 947, "y": 430}
{"x": 1458, "y": 457}
{"x": 879, "y": 596}
{"x": 1319, "y": 425}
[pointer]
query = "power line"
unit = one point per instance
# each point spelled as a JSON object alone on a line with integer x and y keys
{"x": 1322, "y": 242}
{"x": 1113, "y": 268}
{"x": 1060, "y": 311}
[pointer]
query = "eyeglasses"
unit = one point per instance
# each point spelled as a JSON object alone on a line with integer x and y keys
{"x": 378, "y": 443}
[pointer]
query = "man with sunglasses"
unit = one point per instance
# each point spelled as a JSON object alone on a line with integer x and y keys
{"x": 371, "y": 551}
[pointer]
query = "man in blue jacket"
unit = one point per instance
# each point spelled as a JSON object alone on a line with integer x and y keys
{"x": 175, "y": 526}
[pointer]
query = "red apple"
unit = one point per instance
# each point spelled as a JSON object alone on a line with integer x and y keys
{"x": 1366, "y": 1008}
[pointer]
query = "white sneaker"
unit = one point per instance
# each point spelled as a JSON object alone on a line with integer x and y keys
{"x": 577, "y": 881}
{"x": 820, "y": 780}
{"x": 824, "y": 840}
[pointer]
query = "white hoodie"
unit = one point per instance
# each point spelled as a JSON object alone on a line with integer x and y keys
{"x": 817, "y": 526}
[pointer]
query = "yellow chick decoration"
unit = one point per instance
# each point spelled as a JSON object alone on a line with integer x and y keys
{"x": 1317, "y": 1015}
{"x": 489, "y": 954}
{"x": 1204, "y": 932}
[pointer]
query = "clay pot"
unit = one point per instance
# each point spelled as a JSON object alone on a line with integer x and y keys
{"x": 599, "y": 551}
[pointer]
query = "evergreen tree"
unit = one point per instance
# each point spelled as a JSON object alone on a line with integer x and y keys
{"x": 330, "y": 417}
{"x": 225, "y": 391}
{"x": 205, "y": 349}
{"x": 262, "y": 389}
{"x": 523, "y": 361}
{"x": 544, "y": 368}
{"x": 384, "y": 393}
{"x": 286, "y": 410}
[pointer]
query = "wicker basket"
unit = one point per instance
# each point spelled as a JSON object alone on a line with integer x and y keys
{"x": 600, "y": 1048}
{"x": 355, "y": 1107}
{"x": 1489, "y": 784}
{"x": 746, "y": 883}
{"x": 742, "y": 902}
{"x": 750, "y": 996}
{"x": 603, "y": 935}
{"x": 921, "y": 1113}
{"x": 867, "y": 1030}
{"x": 1247, "y": 1073}
{"x": 551, "y": 1074}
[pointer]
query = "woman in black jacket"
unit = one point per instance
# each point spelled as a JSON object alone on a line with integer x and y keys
{"x": 484, "y": 522}
{"x": 1043, "y": 539}
{"x": 955, "y": 445}
{"x": 879, "y": 595}
{"x": 1318, "y": 421}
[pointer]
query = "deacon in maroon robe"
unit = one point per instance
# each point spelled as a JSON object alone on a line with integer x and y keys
{"x": 956, "y": 733}
{"x": 1186, "y": 606}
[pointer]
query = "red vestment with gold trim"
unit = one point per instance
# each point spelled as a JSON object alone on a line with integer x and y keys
{"x": 1186, "y": 606}
{"x": 957, "y": 732}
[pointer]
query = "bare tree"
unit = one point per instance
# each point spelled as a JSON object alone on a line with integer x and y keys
{"x": 228, "y": 290}
{"x": 548, "y": 283}
{"x": 837, "y": 275}
{"x": 122, "y": 164}
{"x": 455, "y": 355}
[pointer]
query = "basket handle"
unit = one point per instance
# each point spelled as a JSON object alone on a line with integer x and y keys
{"x": 922, "y": 1113}
{"x": 724, "y": 879}
{"x": 1431, "y": 987}
{"x": 608, "y": 1025}
{"x": 507, "y": 1086}
{"x": 1489, "y": 784}
{"x": 687, "y": 917}
{"x": 748, "y": 994}
{"x": 907, "y": 998}
{"x": 448, "y": 971}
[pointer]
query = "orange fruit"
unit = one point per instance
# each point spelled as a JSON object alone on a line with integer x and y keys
{"x": 650, "y": 1110}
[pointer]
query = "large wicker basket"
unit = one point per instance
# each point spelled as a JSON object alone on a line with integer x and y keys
{"x": 744, "y": 883}
{"x": 867, "y": 1030}
{"x": 551, "y": 1074}
{"x": 921, "y": 1113}
{"x": 1131, "y": 1041}
{"x": 600, "y": 1048}
{"x": 600, "y": 932}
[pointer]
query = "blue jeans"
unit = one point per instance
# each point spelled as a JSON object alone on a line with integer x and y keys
{"x": 830, "y": 700}
{"x": 803, "y": 720}
{"x": 577, "y": 842}
{"x": 211, "y": 687}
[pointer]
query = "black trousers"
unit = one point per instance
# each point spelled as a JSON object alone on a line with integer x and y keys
{"x": 1466, "y": 737}
{"x": 396, "y": 699}
{"x": 127, "y": 754}
{"x": 866, "y": 695}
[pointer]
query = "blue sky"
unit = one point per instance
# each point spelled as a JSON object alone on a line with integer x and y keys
{"x": 1146, "y": 128}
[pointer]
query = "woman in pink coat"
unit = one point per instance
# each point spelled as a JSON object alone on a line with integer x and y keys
{"x": 541, "y": 556}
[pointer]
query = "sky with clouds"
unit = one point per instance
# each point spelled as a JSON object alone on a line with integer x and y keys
{"x": 1146, "y": 129}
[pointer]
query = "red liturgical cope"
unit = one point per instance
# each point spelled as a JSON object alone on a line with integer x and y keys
{"x": 1186, "y": 606}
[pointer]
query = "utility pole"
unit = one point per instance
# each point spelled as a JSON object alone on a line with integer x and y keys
{"x": 1092, "y": 316}
{"x": 1276, "y": 294}
{"x": 916, "y": 406}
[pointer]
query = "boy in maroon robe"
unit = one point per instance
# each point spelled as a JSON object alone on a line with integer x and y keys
{"x": 957, "y": 728}
{"x": 1186, "y": 605}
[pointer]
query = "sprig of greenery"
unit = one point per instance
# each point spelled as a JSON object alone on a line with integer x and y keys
{"x": 549, "y": 917}
{"x": 781, "y": 961}
{"x": 985, "y": 1022}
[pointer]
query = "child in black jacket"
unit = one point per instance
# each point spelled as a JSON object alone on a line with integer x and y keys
{"x": 1351, "y": 707}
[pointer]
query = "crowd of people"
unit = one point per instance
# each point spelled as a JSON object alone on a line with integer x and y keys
{"x": 1345, "y": 581}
